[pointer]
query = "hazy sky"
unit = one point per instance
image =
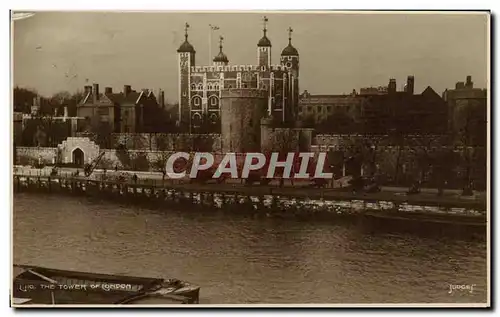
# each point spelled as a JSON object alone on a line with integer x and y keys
{"x": 56, "y": 51}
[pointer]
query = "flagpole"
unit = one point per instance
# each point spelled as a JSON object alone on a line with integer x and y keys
{"x": 211, "y": 28}
{"x": 210, "y": 45}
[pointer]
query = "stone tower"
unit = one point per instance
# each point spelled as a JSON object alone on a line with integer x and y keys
{"x": 186, "y": 55}
{"x": 290, "y": 60}
{"x": 241, "y": 113}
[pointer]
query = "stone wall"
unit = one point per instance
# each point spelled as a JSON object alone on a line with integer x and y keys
{"x": 285, "y": 139}
{"x": 156, "y": 160}
{"x": 35, "y": 155}
{"x": 339, "y": 141}
{"x": 164, "y": 141}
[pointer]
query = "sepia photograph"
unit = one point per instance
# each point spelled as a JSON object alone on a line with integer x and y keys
{"x": 250, "y": 159}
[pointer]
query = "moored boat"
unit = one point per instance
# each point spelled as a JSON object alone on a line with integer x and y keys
{"x": 34, "y": 285}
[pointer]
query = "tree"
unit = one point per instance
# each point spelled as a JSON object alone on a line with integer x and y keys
{"x": 101, "y": 132}
{"x": 23, "y": 99}
{"x": 465, "y": 138}
{"x": 123, "y": 155}
{"x": 359, "y": 150}
{"x": 140, "y": 162}
{"x": 445, "y": 161}
{"x": 423, "y": 155}
{"x": 65, "y": 99}
{"x": 161, "y": 161}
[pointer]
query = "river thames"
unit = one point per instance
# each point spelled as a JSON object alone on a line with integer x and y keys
{"x": 246, "y": 260}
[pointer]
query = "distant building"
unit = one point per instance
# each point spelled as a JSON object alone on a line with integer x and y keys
{"x": 380, "y": 90}
{"x": 319, "y": 108}
{"x": 467, "y": 107}
{"x": 403, "y": 112}
{"x": 359, "y": 113}
{"x": 123, "y": 112}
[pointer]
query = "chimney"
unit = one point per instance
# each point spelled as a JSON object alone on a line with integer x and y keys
{"x": 162, "y": 99}
{"x": 469, "y": 84}
{"x": 108, "y": 90}
{"x": 95, "y": 93}
{"x": 410, "y": 85}
{"x": 127, "y": 90}
{"x": 66, "y": 111}
{"x": 392, "y": 86}
{"x": 87, "y": 89}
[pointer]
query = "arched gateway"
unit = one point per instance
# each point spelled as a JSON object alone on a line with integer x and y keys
{"x": 78, "y": 151}
{"x": 78, "y": 157}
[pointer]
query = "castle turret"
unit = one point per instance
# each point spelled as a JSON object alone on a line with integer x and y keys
{"x": 290, "y": 59}
{"x": 221, "y": 58}
{"x": 186, "y": 55}
{"x": 264, "y": 48}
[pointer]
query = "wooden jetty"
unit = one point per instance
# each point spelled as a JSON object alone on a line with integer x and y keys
{"x": 285, "y": 201}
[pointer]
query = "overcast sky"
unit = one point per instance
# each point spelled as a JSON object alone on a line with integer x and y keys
{"x": 56, "y": 51}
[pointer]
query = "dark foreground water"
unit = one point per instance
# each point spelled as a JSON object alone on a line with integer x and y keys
{"x": 239, "y": 260}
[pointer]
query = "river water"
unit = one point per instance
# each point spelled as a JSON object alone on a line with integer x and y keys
{"x": 242, "y": 260}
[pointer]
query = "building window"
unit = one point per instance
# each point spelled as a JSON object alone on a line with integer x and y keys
{"x": 216, "y": 87}
{"x": 329, "y": 109}
{"x": 197, "y": 101}
{"x": 196, "y": 120}
{"x": 309, "y": 109}
{"x": 300, "y": 109}
{"x": 320, "y": 109}
{"x": 213, "y": 118}
{"x": 213, "y": 101}
{"x": 200, "y": 86}
{"x": 193, "y": 86}
{"x": 209, "y": 86}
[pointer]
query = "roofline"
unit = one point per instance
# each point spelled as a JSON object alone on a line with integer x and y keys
{"x": 139, "y": 98}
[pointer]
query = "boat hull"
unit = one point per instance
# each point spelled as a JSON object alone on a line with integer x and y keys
{"x": 43, "y": 286}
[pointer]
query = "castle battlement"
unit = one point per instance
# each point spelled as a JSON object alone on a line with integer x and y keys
{"x": 228, "y": 68}
{"x": 278, "y": 67}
